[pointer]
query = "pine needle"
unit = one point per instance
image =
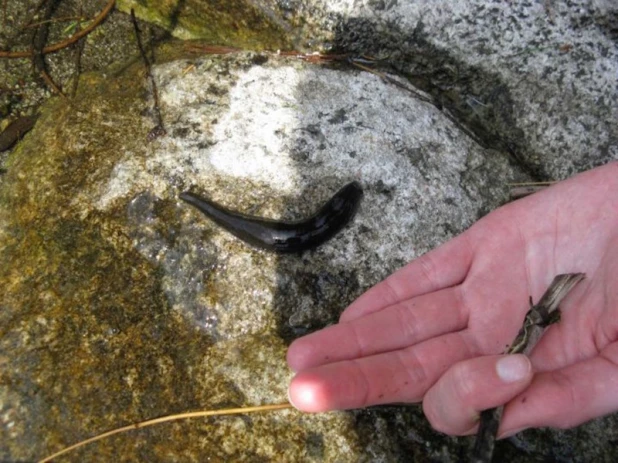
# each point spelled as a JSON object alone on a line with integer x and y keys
{"x": 165, "y": 419}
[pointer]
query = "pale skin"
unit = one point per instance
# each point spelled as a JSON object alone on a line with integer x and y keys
{"x": 432, "y": 332}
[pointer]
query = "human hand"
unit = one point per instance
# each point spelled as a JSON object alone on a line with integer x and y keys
{"x": 431, "y": 331}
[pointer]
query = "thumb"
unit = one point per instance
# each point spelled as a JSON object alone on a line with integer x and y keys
{"x": 453, "y": 404}
{"x": 568, "y": 396}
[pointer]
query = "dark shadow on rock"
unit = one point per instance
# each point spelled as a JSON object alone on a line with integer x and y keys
{"x": 477, "y": 100}
{"x": 311, "y": 296}
{"x": 175, "y": 14}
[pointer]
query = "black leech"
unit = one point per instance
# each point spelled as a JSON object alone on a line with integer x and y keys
{"x": 280, "y": 236}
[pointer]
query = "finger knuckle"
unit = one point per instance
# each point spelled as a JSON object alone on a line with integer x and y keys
{"x": 434, "y": 416}
{"x": 464, "y": 385}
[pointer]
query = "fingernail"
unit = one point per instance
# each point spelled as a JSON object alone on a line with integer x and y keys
{"x": 513, "y": 368}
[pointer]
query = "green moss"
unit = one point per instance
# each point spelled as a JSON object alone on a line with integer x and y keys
{"x": 80, "y": 309}
{"x": 234, "y": 23}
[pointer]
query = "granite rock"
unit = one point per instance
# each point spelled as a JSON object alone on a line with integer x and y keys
{"x": 119, "y": 303}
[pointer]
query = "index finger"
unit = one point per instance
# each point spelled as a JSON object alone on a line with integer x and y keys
{"x": 443, "y": 267}
{"x": 396, "y": 327}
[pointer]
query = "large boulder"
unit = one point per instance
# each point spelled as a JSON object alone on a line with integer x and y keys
{"x": 119, "y": 302}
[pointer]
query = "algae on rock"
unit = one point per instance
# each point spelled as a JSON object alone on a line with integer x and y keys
{"x": 236, "y": 23}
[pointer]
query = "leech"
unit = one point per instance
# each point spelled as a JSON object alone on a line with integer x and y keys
{"x": 285, "y": 237}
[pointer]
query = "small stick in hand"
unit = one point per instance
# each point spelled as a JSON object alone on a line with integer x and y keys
{"x": 537, "y": 319}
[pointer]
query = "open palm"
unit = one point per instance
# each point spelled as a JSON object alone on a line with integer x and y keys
{"x": 433, "y": 330}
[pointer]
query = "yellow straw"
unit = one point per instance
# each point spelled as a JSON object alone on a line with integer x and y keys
{"x": 164, "y": 419}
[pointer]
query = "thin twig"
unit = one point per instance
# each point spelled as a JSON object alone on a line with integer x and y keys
{"x": 211, "y": 49}
{"x": 78, "y": 50}
{"x": 550, "y": 182}
{"x": 65, "y": 43}
{"x": 390, "y": 80}
{"x": 159, "y": 129}
{"x": 56, "y": 20}
{"x": 537, "y": 319}
{"x": 522, "y": 191}
{"x": 519, "y": 190}
{"x": 38, "y": 43}
{"x": 165, "y": 419}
